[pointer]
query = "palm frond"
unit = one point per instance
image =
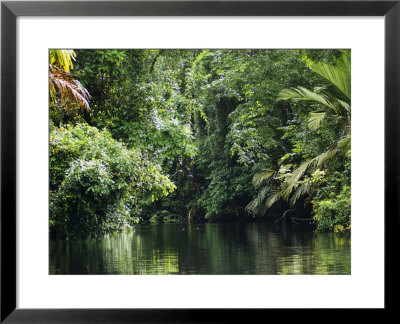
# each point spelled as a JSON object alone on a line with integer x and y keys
{"x": 345, "y": 144}
{"x": 344, "y": 105}
{"x": 292, "y": 182}
{"x": 338, "y": 76}
{"x": 299, "y": 172}
{"x": 255, "y": 203}
{"x": 305, "y": 188}
{"x": 303, "y": 94}
{"x": 62, "y": 58}
{"x": 315, "y": 120}
{"x": 273, "y": 198}
{"x": 344, "y": 61}
{"x": 69, "y": 89}
{"x": 323, "y": 157}
{"x": 288, "y": 189}
{"x": 260, "y": 177}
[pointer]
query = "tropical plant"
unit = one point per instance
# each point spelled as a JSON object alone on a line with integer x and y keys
{"x": 69, "y": 91}
{"x": 331, "y": 99}
{"x": 96, "y": 182}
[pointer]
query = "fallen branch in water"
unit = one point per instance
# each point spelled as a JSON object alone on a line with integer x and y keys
{"x": 284, "y": 216}
{"x": 293, "y": 219}
{"x": 303, "y": 219}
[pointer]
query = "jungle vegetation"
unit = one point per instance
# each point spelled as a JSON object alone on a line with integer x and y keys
{"x": 155, "y": 136}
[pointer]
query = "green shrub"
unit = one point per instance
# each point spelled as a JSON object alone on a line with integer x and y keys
{"x": 94, "y": 182}
{"x": 334, "y": 214}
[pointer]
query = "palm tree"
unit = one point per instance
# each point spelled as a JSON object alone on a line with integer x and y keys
{"x": 61, "y": 84}
{"x": 331, "y": 98}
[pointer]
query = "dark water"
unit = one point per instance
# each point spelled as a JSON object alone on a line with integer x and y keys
{"x": 205, "y": 249}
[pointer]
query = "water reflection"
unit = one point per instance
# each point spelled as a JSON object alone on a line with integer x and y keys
{"x": 204, "y": 249}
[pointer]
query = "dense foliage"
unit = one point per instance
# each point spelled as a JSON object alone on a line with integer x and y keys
{"x": 96, "y": 182}
{"x": 198, "y": 135}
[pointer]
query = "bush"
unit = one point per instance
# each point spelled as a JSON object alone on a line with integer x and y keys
{"x": 334, "y": 214}
{"x": 94, "y": 182}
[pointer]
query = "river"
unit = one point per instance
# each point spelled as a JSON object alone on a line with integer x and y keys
{"x": 244, "y": 248}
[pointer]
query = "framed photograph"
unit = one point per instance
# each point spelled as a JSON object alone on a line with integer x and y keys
{"x": 188, "y": 161}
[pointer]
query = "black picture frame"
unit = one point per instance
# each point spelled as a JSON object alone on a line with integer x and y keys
{"x": 10, "y": 10}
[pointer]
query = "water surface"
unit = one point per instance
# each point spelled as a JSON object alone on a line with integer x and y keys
{"x": 205, "y": 249}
